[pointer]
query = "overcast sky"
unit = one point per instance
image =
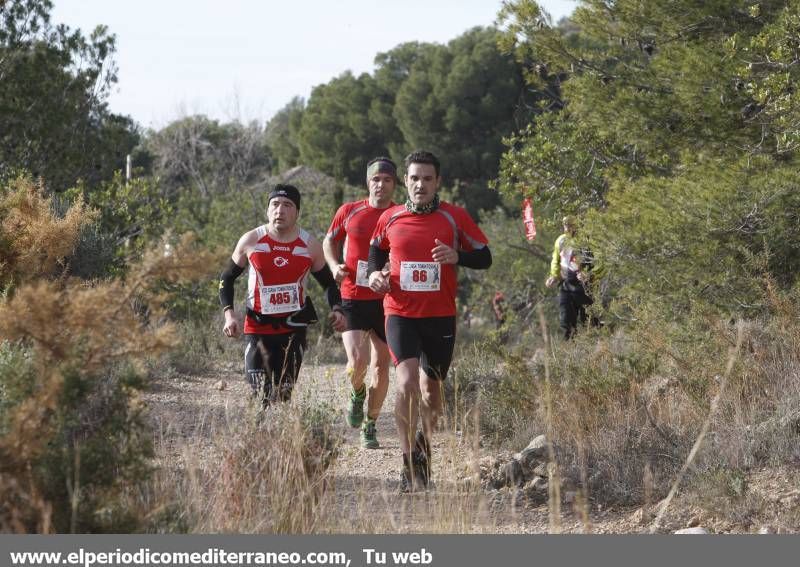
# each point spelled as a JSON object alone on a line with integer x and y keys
{"x": 245, "y": 59}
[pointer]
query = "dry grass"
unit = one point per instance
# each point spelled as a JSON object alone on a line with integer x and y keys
{"x": 628, "y": 416}
{"x": 220, "y": 472}
{"x": 627, "y": 410}
{"x": 258, "y": 475}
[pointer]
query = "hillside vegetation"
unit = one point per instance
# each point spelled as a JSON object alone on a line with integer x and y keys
{"x": 671, "y": 129}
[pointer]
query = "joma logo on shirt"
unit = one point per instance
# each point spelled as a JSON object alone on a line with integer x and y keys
{"x": 281, "y": 248}
{"x": 280, "y": 261}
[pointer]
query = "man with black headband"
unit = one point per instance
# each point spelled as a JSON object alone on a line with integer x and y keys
{"x": 280, "y": 255}
{"x": 424, "y": 240}
{"x": 346, "y": 249}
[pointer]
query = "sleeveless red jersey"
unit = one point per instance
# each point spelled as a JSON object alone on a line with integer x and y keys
{"x": 420, "y": 287}
{"x": 276, "y": 285}
{"x": 354, "y": 223}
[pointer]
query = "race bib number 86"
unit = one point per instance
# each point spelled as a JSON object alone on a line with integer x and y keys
{"x": 420, "y": 276}
{"x": 279, "y": 298}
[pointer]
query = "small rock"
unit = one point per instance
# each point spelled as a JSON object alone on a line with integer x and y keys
{"x": 697, "y": 530}
{"x": 535, "y": 452}
{"x": 221, "y": 385}
{"x": 539, "y": 442}
{"x": 529, "y": 458}
{"x": 540, "y": 470}
{"x": 491, "y": 475}
{"x": 766, "y": 530}
{"x": 536, "y": 490}
{"x": 495, "y": 499}
{"x": 537, "y": 484}
{"x": 513, "y": 473}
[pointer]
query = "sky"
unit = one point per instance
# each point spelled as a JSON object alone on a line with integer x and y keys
{"x": 246, "y": 59}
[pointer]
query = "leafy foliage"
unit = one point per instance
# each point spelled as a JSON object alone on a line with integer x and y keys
{"x": 665, "y": 142}
{"x": 337, "y": 132}
{"x": 457, "y": 100}
{"x": 53, "y": 86}
{"x": 282, "y": 133}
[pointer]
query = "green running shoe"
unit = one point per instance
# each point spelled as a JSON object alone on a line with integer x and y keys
{"x": 355, "y": 414}
{"x": 369, "y": 439}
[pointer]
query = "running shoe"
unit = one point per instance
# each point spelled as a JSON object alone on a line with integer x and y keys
{"x": 369, "y": 438}
{"x": 355, "y": 414}
{"x": 407, "y": 484}
{"x": 421, "y": 461}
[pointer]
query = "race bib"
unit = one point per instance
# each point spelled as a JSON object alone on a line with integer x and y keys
{"x": 280, "y": 298}
{"x": 420, "y": 276}
{"x": 362, "y": 277}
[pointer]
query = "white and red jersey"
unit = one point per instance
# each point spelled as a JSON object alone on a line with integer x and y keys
{"x": 354, "y": 223}
{"x": 420, "y": 287}
{"x": 277, "y": 282}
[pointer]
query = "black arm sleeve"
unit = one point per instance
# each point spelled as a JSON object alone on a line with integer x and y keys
{"x": 226, "y": 279}
{"x": 325, "y": 278}
{"x": 377, "y": 259}
{"x": 479, "y": 259}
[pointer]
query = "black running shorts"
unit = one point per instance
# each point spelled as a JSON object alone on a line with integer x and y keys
{"x": 272, "y": 364}
{"x": 365, "y": 315}
{"x": 430, "y": 339}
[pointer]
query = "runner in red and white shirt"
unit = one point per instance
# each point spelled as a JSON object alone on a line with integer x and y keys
{"x": 346, "y": 248}
{"x": 424, "y": 240}
{"x": 281, "y": 255}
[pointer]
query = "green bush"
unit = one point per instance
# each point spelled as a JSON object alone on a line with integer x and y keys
{"x": 99, "y": 453}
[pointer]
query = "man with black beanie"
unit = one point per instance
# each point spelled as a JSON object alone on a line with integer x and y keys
{"x": 280, "y": 255}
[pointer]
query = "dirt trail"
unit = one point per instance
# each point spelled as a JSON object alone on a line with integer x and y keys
{"x": 188, "y": 411}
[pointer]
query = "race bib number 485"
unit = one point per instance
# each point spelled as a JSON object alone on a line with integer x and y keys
{"x": 280, "y": 298}
{"x": 420, "y": 276}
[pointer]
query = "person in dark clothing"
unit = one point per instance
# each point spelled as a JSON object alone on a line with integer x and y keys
{"x": 570, "y": 269}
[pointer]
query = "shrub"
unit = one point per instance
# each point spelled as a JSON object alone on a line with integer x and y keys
{"x": 72, "y": 443}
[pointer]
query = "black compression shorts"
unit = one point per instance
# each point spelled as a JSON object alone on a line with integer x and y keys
{"x": 430, "y": 339}
{"x": 272, "y": 364}
{"x": 365, "y": 315}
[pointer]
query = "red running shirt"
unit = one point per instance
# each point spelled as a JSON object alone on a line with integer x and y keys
{"x": 420, "y": 287}
{"x": 277, "y": 282}
{"x": 354, "y": 223}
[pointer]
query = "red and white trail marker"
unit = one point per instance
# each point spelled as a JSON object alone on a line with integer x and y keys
{"x": 527, "y": 219}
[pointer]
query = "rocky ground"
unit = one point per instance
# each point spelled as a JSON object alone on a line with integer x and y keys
{"x": 476, "y": 490}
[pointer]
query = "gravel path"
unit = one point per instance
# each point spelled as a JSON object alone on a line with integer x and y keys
{"x": 188, "y": 411}
{"x": 191, "y": 413}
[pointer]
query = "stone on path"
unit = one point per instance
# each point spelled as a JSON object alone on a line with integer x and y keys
{"x": 697, "y": 530}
